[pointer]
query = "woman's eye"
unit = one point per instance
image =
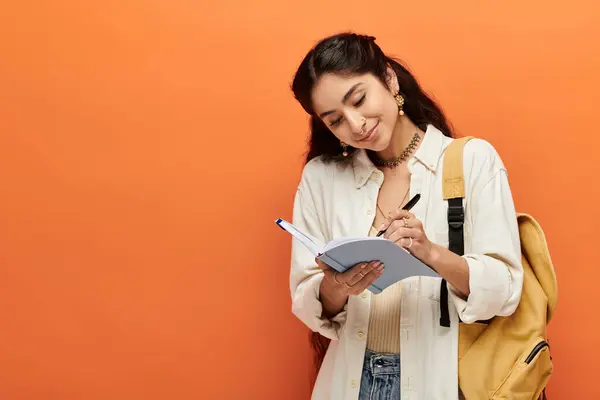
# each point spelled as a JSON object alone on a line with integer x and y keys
{"x": 360, "y": 101}
{"x": 337, "y": 121}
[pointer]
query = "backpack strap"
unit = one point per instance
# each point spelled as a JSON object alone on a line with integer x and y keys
{"x": 453, "y": 190}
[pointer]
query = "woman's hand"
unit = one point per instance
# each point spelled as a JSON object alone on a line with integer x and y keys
{"x": 353, "y": 281}
{"x": 404, "y": 229}
{"x": 336, "y": 287}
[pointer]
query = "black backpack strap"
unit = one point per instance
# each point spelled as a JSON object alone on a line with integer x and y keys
{"x": 453, "y": 189}
{"x": 456, "y": 220}
{"x": 444, "y": 311}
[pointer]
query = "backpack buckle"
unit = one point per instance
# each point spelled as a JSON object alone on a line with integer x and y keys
{"x": 456, "y": 216}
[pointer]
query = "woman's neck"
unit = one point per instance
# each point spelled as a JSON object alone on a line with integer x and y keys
{"x": 403, "y": 133}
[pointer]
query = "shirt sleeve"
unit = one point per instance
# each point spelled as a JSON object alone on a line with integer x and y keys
{"x": 494, "y": 256}
{"x": 306, "y": 276}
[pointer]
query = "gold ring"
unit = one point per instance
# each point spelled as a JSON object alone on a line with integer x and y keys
{"x": 408, "y": 247}
{"x": 335, "y": 274}
{"x": 405, "y": 222}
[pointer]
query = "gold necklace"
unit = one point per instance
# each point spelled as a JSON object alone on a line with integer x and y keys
{"x": 394, "y": 162}
{"x": 404, "y": 198}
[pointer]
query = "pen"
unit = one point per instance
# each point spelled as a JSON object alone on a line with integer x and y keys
{"x": 411, "y": 203}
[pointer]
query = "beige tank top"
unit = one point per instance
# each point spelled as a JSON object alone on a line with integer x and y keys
{"x": 384, "y": 319}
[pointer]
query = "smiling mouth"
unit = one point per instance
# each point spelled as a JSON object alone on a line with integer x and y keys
{"x": 369, "y": 133}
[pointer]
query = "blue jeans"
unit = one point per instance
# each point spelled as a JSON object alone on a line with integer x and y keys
{"x": 380, "y": 377}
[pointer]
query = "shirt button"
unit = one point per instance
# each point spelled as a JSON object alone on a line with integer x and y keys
{"x": 369, "y": 212}
{"x": 360, "y": 334}
{"x": 353, "y": 383}
{"x": 363, "y": 295}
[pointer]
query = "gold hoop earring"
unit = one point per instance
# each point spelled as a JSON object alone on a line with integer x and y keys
{"x": 344, "y": 149}
{"x": 400, "y": 102}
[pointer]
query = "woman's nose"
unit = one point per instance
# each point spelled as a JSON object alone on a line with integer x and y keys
{"x": 357, "y": 123}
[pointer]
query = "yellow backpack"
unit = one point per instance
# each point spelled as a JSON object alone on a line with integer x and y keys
{"x": 505, "y": 357}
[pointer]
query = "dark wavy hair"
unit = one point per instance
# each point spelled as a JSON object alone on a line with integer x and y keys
{"x": 352, "y": 54}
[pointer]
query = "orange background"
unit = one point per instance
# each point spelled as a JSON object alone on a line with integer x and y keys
{"x": 147, "y": 147}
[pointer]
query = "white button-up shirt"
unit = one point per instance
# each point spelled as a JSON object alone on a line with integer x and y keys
{"x": 335, "y": 200}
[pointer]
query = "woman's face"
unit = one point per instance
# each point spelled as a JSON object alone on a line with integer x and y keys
{"x": 359, "y": 110}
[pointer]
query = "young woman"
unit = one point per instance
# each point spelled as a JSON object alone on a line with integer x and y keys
{"x": 377, "y": 140}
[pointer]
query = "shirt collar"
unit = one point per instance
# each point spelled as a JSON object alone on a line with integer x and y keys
{"x": 428, "y": 153}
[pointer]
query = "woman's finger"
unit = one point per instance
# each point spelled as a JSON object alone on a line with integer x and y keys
{"x": 368, "y": 280}
{"x": 399, "y": 214}
{"x": 400, "y": 233}
{"x": 405, "y": 242}
{"x": 322, "y": 265}
{"x": 391, "y": 228}
{"x": 358, "y": 272}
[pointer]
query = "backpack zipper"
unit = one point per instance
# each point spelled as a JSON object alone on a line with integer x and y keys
{"x": 538, "y": 347}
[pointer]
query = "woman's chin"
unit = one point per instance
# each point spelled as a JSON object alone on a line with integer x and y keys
{"x": 376, "y": 145}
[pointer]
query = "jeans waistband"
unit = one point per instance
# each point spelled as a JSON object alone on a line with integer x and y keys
{"x": 382, "y": 363}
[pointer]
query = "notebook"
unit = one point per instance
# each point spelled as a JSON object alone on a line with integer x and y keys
{"x": 343, "y": 253}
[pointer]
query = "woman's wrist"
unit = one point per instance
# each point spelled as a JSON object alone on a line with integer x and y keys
{"x": 332, "y": 300}
{"x": 449, "y": 266}
{"x": 433, "y": 256}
